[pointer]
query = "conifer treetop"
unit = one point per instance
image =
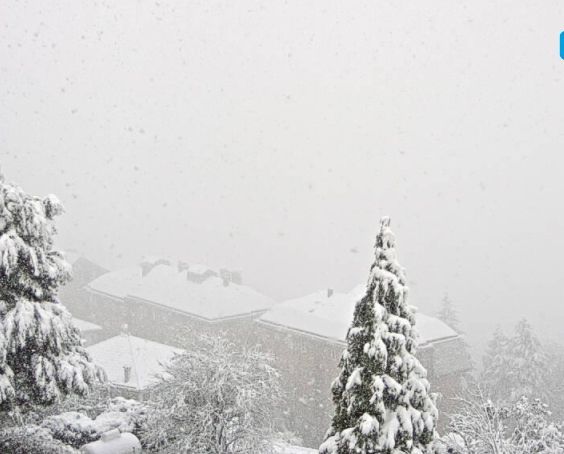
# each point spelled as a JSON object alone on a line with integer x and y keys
{"x": 381, "y": 396}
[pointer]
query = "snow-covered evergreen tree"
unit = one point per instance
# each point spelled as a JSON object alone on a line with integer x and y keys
{"x": 382, "y": 398}
{"x": 447, "y": 313}
{"x": 41, "y": 357}
{"x": 528, "y": 368}
{"x": 516, "y": 366}
{"x": 495, "y": 364}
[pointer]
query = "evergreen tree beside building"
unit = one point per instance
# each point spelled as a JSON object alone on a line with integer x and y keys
{"x": 41, "y": 357}
{"x": 382, "y": 397}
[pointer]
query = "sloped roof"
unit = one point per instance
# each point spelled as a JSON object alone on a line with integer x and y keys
{"x": 85, "y": 326}
{"x": 119, "y": 283}
{"x": 73, "y": 257}
{"x": 330, "y": 317}
{"x": 166, "y": 286}
{"x": 145, "y": 357}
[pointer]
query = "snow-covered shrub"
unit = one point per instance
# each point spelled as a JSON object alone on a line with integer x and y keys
{"x": 482, "y": 427}
{"x": 41, "y": 353}
{"x": 481, "y": 424}
{"x": 215, "y": 398}
{"x": 31, "y": 439}
{"x": 382, "y": 397}
{"x": 532, "y": 432}
{"x": 451, "y": 443}
{"x": 76, "y": 429}
{"x": 72, "y": 428}
{"x": 127, "y": 415}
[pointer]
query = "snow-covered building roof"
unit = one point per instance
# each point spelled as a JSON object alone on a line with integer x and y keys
{"x": 143, "y": 358}
{"x": 329, "y": 316}
{"x": 85, "y": 326}
{"x": 168, "y": 285}
{"x": 119, "y": 283}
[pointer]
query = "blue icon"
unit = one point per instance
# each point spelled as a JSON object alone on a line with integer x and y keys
{"x": 562, "y": 45}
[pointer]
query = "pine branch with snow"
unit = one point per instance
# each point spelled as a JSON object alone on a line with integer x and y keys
{"x": 41, "y": 356}
{"x": 382, "y": 397}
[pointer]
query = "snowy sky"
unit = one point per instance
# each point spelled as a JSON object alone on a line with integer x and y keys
{"x": 271, "y": 136}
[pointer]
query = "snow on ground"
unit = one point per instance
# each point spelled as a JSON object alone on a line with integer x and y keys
{"x": 330, "y": 316}
{"x": 144, "y": 357}
{"x": 167, "y": 286}
{"x": 288, "y": 449}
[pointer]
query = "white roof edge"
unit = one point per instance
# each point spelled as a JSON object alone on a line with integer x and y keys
{"x": 192, "y": 315}
{"x": 85, "y": 326}
{"x": 334, "y": 340}
{"x": 282, "y": 327}
{"x": 101, "y": 292}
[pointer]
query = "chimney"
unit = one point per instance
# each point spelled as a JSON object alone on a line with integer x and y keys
{"x": 225, "y": 276}
{"x": 182, "y": 266}
{"x": 329, "y": 292}
{"x": 126, "y": 374}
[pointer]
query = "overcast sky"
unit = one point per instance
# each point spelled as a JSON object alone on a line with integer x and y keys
{"x": 272, "y": 136}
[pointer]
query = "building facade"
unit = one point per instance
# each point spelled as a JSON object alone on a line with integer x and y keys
{"x": 307, "y": 338}
{"x": 173, "y": 305}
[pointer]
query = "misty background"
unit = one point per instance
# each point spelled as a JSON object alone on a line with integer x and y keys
{"x": 271, "y": 136}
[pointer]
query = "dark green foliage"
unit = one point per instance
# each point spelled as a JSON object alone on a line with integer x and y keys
{"x": 382, "y": 400}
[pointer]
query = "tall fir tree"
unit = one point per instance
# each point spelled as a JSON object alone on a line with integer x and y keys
{"x": 516, "y": 366}
{"x": 495, "y": 365}
{"x": 41, "y": 356}
{"x": 448, "y": 314}
{"x": 382, "y": 399}
{"x": 529, "y": 366}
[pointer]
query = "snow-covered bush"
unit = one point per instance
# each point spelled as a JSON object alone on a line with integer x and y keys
{"x": 76, "y": 429}
{"x": 480, "y": 424}
{"x": 41, "y": 353}
{"x": 72, "y": 428}
{"x": 215, "y": 398}
{"x": 531, "y": 429}
{"x": 482, "y": 427}
{"x": 31, "y": 439}
{"x": 127, "y": 415}
{"x": 451, "y": 443}
{"x": 382, "y": 398}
